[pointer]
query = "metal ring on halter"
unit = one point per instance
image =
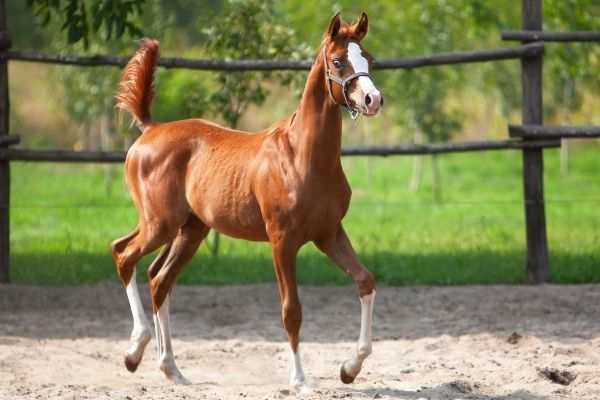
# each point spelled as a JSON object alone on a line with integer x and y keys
{"x": 343, "y": 83}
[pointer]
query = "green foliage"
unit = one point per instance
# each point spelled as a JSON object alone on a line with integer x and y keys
{"x": 425, "y": 100}
{"x": 183, "y": 94}
{"x": 80, "y": 18}
{"x": 90, "y": 91}
{"x": 572, "y": 67}
{"x": 247, "y": 29}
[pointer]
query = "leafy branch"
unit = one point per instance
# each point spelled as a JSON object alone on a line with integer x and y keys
{"x": 80, "y": 17}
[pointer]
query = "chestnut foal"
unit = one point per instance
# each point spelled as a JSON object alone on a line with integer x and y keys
{"x": 284, "y": 185}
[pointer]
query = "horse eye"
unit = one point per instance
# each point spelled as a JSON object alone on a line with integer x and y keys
{"x": 337, "y": 63}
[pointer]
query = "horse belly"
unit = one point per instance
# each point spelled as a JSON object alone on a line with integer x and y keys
{"x": 230, "y": 211}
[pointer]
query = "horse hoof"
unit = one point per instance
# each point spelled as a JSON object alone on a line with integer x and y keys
{"x": 172, "y": 373}
{"x": 345, "y": 377}
{"x": 130, "y": 364}
{"x": 179, "y": 379}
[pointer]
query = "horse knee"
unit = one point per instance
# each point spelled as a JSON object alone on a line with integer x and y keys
{"x": 160, "y": 288}
{"x": 292, "y": 316}
{"x": 125, "y": 256}
{"x": 117, "y": 248}
{"x": 365, "y": 282}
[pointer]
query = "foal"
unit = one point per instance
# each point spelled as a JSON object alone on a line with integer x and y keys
{"x": 284, "y": 185}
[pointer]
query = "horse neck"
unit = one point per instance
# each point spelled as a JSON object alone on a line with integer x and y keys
{"x": 316, "y": 132}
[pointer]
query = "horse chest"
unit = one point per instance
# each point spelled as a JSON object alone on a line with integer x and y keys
{"x": 317, "y": 207}
{"x": 328, "y": 204}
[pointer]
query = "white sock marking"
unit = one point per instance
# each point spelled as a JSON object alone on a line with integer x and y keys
{"x": 140, "y": 335}
{"x": 140, "y": 323}
{"x": 364, "y": 347}
{"x": 166, "y": 360}
{"x": 159, "y": 346}
{"x": 297, "y": 378}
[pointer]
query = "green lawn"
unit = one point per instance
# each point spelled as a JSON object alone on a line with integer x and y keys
{"x": 62, "y": 222}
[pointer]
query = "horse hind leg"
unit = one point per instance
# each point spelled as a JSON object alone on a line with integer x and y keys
{"x": 127, "y": 251}
{"x": 181, "y": 250}
{"x": 141, "y": 333}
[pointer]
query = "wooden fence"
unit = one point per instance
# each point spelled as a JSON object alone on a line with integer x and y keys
{"x": 531, "y": 137}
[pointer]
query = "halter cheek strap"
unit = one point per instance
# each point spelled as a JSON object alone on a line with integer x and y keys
{"x": 329, "y": 77}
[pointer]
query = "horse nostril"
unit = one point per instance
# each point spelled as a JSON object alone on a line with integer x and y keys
{"x": 381, "y": 102}
{"x": 367, "y": 99}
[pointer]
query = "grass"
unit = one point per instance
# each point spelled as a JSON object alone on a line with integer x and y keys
{"x": 62, "y": 222}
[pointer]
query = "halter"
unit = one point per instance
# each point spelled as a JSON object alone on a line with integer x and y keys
{"x": 343, "y": 83}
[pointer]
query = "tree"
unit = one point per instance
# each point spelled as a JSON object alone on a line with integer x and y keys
{"x": 248, "y": 29}
{"x": 573, "y": 67}
{"x": 89, "y": 91}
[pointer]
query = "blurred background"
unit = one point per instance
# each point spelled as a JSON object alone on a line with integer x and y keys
{"x": 442, "y": 219}
{"x": 473, "y": 101}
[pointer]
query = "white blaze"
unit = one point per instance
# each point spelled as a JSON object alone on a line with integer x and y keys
{"x": 360, "y": 64}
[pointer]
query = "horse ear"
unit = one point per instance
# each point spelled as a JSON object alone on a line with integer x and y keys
{"x": 362, "y": 27}
{"x": 334, "y": 25}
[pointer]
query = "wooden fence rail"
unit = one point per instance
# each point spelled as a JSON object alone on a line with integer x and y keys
{"x": 411, "y": 149}
{"x": 532, "y": 36}
{"x": 534, "y": 137}
{"x": 524, "y": 51}
{"x": 553, "y": 131}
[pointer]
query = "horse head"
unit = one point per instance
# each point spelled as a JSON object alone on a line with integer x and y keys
{"x": 349, "y": 65}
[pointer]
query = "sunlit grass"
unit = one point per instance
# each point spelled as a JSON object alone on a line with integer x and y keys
{"x": 62, "y": 222}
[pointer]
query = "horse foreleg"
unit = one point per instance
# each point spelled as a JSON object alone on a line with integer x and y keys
{"x": 352, "y": 367}
{"x": 339, "y": 249}
{"x": 284, "y": 260}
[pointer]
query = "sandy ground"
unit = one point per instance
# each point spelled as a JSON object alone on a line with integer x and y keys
{"x": 429, "y": 343}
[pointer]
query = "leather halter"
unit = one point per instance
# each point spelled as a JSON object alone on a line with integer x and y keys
{"x": 329, "y": 77}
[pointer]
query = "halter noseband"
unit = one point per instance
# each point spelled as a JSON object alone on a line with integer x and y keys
{"x": 329, "y": 77}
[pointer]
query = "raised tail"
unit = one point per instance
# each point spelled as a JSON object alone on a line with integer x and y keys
{"x": 136, "y": 89}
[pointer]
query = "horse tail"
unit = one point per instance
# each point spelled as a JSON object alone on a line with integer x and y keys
{"x": 136, "y": 89}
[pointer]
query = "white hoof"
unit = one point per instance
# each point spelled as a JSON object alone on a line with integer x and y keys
{"x": 301, "y": 387}
{"x": 172, "y": 373}
{"x": 179, "y": 379}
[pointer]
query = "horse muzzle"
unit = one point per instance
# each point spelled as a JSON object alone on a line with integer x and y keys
{"x": 373, "y": 103}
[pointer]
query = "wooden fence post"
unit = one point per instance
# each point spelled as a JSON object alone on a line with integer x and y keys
{"x": 538, "y": 269}
{"x": 5, "y": 43}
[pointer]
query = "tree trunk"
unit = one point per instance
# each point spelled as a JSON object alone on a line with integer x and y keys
{"x": 106, "y": 143}
{"x": 437, "y": 182}
{"x": 417, "y": 172}
{"x": 564, "y": 156}
{"x": 369, "y": 141}
{"x": 564, "y": 146}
